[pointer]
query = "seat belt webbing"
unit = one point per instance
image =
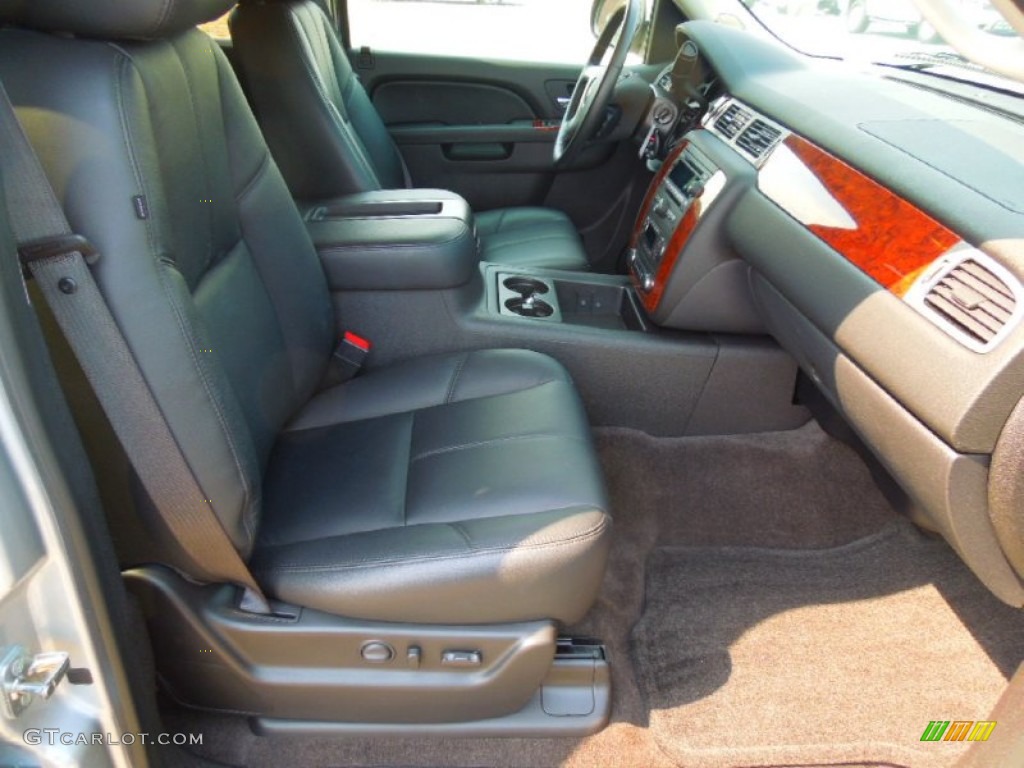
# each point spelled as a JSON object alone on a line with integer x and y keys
{"x": 58, "y": 260}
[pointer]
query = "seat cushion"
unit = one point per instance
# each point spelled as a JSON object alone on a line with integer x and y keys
{"x": 530, "y": 238}
{"x": 453, "y": 489}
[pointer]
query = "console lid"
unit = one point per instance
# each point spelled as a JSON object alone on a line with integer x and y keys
{"x": 395, "y": 240}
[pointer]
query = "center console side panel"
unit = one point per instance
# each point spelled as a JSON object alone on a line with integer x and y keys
{"x": 663, "y": 383}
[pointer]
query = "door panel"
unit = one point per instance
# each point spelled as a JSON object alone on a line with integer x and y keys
{"x": 526, "y": 80}
{"x": 559, "y": 93}
{"x": 486, "y": 130}
{"x": 463, "y": 136}
{"x": 480, "y": 128}
{"x": 452, "y": 103}
{"x": 492, "y": 166}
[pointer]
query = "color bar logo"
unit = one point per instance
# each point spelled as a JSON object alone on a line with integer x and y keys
{"x": 958, "y": 730}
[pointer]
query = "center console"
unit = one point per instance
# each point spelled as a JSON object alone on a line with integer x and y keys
{"x": 405, "y": 273}
{"x": 402, "y": 240}
{"x": 589, "y": 301}
{"x": 685, "y": 273}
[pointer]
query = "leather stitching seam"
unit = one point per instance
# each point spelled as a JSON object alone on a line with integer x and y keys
{"x": 455, "y": 378}
{"x": 338, "y": 422}
{"x": 250, "y": 185}
{"x": 493, "y": 441}
{"x": 584, "y": 536}
{"x": 208, "y": 186}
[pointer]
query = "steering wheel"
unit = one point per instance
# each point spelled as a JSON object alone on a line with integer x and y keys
{"x": 596, "y": 83}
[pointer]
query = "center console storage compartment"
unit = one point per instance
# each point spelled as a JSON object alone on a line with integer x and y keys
{"x": 395, "y": 240}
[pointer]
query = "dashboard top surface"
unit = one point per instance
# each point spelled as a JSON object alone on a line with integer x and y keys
{"x": 959, "y": 161}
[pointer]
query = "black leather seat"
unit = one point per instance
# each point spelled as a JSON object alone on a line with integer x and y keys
{"x": 461, "y": 488}
{"x": 329, "y": 140}
{"x": 447, "y": 489}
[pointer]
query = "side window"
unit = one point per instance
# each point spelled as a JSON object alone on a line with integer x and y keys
{"x": 218, "y": 28}
{"x": 514, "y": 30}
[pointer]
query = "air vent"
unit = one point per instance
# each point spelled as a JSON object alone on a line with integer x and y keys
{"x": 758, "y": 139}
{"x": 974, "y": 300}
{"x": 732, "y": 121}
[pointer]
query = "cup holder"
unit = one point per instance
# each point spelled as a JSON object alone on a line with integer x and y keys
{"x": 528, "y": 296}
{"x": 526, "y": 286}
{"x": 529, "y": 306}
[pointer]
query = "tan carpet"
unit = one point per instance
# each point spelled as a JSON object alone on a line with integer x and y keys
{"x": 755, "y": 657}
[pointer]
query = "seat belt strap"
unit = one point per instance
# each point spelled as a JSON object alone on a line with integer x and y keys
{"x": 59, "y": 262}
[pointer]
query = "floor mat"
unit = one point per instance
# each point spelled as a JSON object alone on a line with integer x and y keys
{"x": 753, "y": 657}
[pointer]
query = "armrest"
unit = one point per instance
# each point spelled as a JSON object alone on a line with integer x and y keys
{"x": 408, "y": 239}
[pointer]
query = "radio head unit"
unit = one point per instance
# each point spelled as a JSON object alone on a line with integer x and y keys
{"x": 679, "y": 183}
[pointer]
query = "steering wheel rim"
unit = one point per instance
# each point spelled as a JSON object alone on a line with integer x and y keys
{"x": 596, "y": 83}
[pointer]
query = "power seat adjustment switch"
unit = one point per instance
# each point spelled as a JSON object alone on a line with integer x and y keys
{"x": 377, "y": 652}
{"x": 462, "y": 659}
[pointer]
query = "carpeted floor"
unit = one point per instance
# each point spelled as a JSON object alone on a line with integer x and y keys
{"x": 713, "y": 497}
{"x": 774, "y": 657}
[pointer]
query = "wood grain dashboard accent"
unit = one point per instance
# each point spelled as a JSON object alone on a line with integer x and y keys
{"x": 673, "y": 249}
{"x": 676, "y": 243}
{"x": 885, "y": 236}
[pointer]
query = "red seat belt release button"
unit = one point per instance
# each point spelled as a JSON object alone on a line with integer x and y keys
{"x": 348, "y": 358}
{"x": 356, "y": 341}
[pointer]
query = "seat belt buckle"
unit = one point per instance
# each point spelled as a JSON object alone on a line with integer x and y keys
{"x": 349, "y": 357}
{"x": 57, "y": 245}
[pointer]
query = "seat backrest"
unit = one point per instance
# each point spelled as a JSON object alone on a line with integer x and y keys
{"x": 324, "y": 131}
{"x": 205, "y": 261}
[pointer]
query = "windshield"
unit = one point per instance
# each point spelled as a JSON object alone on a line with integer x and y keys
{"x": 878, "y": 31}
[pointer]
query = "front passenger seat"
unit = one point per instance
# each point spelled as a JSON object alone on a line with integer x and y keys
{"x": 328, "y": 139}
{"x": 460, "y": 489}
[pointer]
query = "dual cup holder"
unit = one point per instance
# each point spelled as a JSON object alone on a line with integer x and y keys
{"x": 527, "y": 297}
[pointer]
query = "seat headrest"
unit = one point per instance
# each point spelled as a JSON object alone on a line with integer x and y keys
{"x": 113, "y": 19}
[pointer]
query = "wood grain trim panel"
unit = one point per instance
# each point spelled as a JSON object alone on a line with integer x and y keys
{"x": 676, "y": 243}
{"x": 885, "y": 236}
{"x": 673, "y": 249}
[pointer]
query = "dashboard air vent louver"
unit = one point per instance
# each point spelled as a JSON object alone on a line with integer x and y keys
{"x": 732, "y": 121}
{"x": 758, "y": 138}
{"x": 974, "y": 300}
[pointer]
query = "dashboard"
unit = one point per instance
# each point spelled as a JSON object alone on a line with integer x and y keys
{"x": 875, "y": 227}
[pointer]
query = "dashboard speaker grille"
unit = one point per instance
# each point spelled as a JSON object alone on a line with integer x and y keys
{"x": 973, "y": 299}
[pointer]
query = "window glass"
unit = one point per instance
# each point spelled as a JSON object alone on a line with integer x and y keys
{"x": 891, "y": 32}
{"x": 517, "y": 30}
{"x": 218, "y": 28}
